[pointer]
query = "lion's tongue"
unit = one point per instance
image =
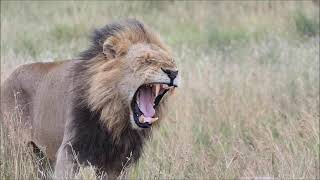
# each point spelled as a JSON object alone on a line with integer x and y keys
{"x": 146, "y": 101}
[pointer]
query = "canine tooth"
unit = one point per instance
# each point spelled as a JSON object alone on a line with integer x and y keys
{"x": 157, "y": 89}
{"x": 154, "y": 119}
{"x": 165, "y": 86}
{"x": 141, "y": 119}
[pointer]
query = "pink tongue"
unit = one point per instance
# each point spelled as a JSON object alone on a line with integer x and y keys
{"x": 146, "y": 102}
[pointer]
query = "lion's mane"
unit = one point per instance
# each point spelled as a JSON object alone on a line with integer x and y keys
{"x": 96, "y": 96}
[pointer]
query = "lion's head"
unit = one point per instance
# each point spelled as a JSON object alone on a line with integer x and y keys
{"x": 130, "y": 75}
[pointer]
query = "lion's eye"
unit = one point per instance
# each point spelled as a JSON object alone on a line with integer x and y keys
{"x": 123, "y": 53}
{"x": 151, "y": 60}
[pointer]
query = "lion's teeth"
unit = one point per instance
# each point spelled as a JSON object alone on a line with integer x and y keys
{"x": 150, "y": 120}
{"x": 141, "y": 119}
{"x": 157, "y": 89}
{"x": 154, "y": 119}
{"x": 165, "y": 86}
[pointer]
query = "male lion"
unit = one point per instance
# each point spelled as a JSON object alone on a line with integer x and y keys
{"x": 100, "y": 106}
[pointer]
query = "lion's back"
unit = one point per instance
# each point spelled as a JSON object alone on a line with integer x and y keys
{"x": 39, "y": 92}
{"x": 19, "y": 88}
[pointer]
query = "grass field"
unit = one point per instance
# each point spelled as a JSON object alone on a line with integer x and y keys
{"x": 248, "y": 106}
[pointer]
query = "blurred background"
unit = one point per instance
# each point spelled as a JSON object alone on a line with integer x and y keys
{"x": 249, "y": 101}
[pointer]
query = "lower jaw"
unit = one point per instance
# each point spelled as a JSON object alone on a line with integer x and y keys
{"x": 136, "y": 122}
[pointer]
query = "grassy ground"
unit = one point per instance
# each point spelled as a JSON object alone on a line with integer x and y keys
{"x": 249, "y": 102}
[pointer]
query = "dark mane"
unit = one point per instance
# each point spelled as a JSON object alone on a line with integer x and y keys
{"x": 92, "y": 142}
{"x": 91, "y": 139}
{"x": 98, "y": 36}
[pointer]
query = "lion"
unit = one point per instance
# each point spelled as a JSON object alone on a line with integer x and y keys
{"x": 99, "y": 108}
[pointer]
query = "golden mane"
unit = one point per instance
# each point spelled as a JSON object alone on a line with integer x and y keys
{"x": 101, "y": 69}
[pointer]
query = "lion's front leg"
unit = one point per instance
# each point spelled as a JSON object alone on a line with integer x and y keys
{"x": 66, "y": 166}
{"x": 110, "y": 175}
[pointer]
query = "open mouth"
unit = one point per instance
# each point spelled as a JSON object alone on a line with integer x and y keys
{"x": 145, "y": 102}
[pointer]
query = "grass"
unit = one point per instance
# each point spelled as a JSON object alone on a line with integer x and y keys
{"x": 305, "y": 25}
{"x": 249, "y": 101}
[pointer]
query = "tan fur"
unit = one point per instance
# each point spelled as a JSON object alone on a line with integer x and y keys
{"x": 104, "y": 84}
{"x": 129, "y": 59}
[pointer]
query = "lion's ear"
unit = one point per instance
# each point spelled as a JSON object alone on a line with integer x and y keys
{"x": 115, "y": 47}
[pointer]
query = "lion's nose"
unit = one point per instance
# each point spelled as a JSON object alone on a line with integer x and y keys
{"x": 171, "y": 73}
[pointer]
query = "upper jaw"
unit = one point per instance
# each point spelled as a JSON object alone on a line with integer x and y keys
{"x": 168, "y": 84}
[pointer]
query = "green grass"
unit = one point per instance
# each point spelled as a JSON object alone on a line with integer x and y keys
{"x": 307, "y": 26}
{"x": 64, "y": 33}
{"x": 249, "y": 101}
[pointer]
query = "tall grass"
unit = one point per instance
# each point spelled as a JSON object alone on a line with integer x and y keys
{"x": 249, "y": 101}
